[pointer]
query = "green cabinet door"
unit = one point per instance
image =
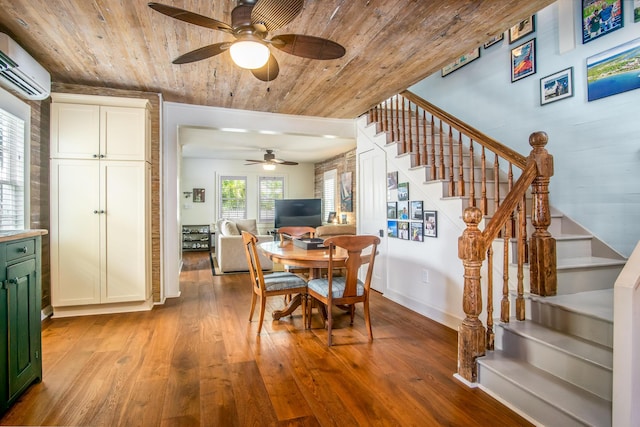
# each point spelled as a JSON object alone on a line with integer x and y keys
{"x": 23, "y": 325}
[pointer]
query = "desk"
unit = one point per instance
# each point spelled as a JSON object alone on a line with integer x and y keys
{"x": 290, "y": 254}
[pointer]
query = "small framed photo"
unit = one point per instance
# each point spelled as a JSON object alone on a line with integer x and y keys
{"x": 614, "y": 71}
{"x": 461, "y": 62}
{"x": 416, "y": 231}
{"x": 403, "y": 230}
{"x": 403, "y": 210}
{"x": 392, "y": 180}
{"x": 331, "y": 218}
{"x": 522, "y": 29}
{"x": 431, "y": 223}
{"x": 523, "y": 60}
{"x": 416, "y": 210}
{"x": 600, "y": 18}
{"x": 392, "y": 228}
{"x": 403, "y": 191}
{"x": 556, "y": 86}
{"x": 198, "y": 195}
{"x": 392, "y": 210}
{"x": 493, "y": 40}
{"x": 636, "y": 10}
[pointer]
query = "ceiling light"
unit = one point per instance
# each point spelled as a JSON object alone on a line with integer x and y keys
{"x": 249, "y": 53}
{"x": 269, "y": 167}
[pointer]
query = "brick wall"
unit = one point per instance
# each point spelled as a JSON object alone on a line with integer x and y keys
{"x": 345, "y": 162}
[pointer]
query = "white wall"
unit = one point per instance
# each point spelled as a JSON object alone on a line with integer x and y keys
{"x": 596, "y": 145}
{"x": 205, "y": 173}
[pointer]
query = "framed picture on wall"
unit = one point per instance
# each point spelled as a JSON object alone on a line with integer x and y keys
{"x": 493, "y": 40}
{"x": 614, "y": 71}
{"x": 403, "y": 191}
{"x": 392, "y": 210}
{"x": 600, "y": 18}
{"x": 403, "y": 209}
{"x": 392, "y": 228}
{"x": 556, "y": 86}
{"x": 522, "y": 29}
{"x": 416, "y": 210}
{"x": 198, "y": 195}
{"x": 403, "y": 230}
{"x": 523, "y": 60}
{"x": 461, "y": 62}
{"x": 636, "y": 10}
{"x": 346, "y": 192}
{"x": 331, "y": 218}
{"x": 392, "y": 180}
{"x": 416, "y": 232}
{"x": 431, "y": 223}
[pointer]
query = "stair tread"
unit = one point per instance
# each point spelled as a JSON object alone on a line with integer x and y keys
{"x": 582, "y": 405}
{"x": 586, "y": 350}
{"x": 598, "y": 303}
{"x": 588, "y": 261}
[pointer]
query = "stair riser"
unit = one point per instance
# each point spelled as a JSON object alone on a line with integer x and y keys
{"x": 525, "y": 402}
{"x": 575, "y": 370}
{"x": 572, "y": 280}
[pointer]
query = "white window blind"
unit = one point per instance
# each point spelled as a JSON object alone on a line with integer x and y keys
{"x": 271, "y": 188}
{"x": 330, "y": 179}
{"x": 233, "y": 197}
{"x": 11, "y": 172}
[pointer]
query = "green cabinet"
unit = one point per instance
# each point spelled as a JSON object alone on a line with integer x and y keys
{"x": 20, "y": 324}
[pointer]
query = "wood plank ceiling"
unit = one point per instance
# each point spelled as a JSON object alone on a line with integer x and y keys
{"x": 390, "y": 44}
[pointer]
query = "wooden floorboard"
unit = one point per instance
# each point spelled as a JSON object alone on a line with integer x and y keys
{"x": 197, "y": 360}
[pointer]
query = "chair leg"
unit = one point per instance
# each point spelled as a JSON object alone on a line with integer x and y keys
{"x": 367, "y": 319}
{"x": 263, "y": 305}
{"x": 303, "y": 300}
{"x": 352, "y": 312}
{"x": 253, "y": 305}
{"x": 329, "y": 324}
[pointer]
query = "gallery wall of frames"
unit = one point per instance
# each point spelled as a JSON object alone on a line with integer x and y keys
{"x": 408, "y": 219}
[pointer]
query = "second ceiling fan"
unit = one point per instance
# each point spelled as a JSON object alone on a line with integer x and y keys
{"x": 251, "y": 22}
{"x": 270, "y": 159}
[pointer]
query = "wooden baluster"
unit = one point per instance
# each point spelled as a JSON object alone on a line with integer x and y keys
{"x": 452, "y": 184}
{"x": 496, "y": 183}
{"x": 512, "y": 231}
{"x": 397, "y": 138}
{"x": 410, "y": 133}
{"x": 542, "y": 248}
{"x": 418, "y": 145}
{"x": 404, "y": 127}
{"x": 433, "y": 149}
{"x": 386, "y": 116}
{"x": 472, "y": 176}
{"x": 490, "y": 333}
{"x": 425, "y": 139}
{"x": 441, "y": 154}
{"x": 461, "y": 191}
{"x": 483, "y": 181}
{"x": 471, "y": 333}
{"x": 522, "y": 241}
{"x": 505, "y": 307}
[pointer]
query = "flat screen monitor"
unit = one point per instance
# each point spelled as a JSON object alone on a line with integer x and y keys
{"x": 298, "y": 212}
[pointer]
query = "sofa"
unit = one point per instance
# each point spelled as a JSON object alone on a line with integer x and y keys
{"x": 329, "y": 230}
{"x": 230, "y": 254}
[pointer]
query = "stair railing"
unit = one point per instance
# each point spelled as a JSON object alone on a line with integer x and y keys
{"x": 447, "y": 148}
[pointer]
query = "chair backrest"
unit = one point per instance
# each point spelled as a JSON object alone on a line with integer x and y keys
{"x": 295, "y": 232}
{"x": 355, "y": 246}
{"x": 249, "y": 241}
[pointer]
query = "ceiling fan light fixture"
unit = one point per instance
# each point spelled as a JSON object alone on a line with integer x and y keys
{"x": 269, "y": 167}
{"x": 249, "y": 54}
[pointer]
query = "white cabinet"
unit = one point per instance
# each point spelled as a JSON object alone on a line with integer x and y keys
{"x": 100, "y": 218}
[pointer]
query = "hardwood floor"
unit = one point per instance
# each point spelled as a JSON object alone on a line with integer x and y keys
{"x": 197, "y": 361}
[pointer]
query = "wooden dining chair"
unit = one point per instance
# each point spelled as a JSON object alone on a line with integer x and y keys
{"x": 266, "y": 285}
{"x": 296, "y": 232}
{"x": 346, "y": 291}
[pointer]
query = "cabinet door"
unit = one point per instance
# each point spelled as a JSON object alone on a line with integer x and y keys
{"x": 23, "y": 309}
{"x": 125, "y": 231}
{"x": 75, "y": 232}
{"x": 75, "y": 131}
{"x": 123, "y": 131}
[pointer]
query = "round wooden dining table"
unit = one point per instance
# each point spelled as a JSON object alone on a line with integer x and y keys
{"x": 316, "y": 260}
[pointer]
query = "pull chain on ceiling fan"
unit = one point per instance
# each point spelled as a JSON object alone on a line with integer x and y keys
{"x": 251, "y": 22}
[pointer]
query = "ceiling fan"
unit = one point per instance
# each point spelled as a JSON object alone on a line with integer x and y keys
{"x": 270, "y": 161}
{"x": 251, "y": 22}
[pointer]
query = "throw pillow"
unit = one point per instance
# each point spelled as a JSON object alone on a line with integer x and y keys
{"x": 229, "y": 228}
{"x": 247, "y": 225}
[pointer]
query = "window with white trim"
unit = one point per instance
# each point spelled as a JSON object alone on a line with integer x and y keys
{"x": 270, "y": 188}
{"x": 12, "y": 166}
{"x": 330, "y": 180}
{"x": 233, "y": 197}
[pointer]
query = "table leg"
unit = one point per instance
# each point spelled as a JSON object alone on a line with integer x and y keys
{"x": 295, "y": 303}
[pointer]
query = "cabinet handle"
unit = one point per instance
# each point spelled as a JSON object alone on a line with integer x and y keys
{"x": 23, "y": 249}
{"x": 13, "y": 281}
{"x": 102, "y": 156}
{"x": 95, "y": 156}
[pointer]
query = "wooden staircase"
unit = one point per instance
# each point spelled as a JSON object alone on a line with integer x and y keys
{"x": 555, "y": 364}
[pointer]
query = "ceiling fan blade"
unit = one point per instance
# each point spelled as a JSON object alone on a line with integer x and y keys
{"x": 274, "y": 14}
{"x": 269, "y": 71}
{"x": 254, "y": 161}
{"x": 202, "y": 53}
{"x": 190, "y": 17}
{"x": 308, "y": 46}
{"x": 286, "y": 162}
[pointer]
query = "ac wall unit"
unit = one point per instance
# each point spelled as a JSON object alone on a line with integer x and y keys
{"x": 21, "y": 73}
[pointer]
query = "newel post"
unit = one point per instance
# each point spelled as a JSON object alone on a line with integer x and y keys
{"x": 471, "y": 334}
{"x": 542, "y": 246}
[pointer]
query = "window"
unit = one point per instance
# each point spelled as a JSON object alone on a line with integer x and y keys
{"x": 11, "y": 172}
{"x": 271, "y": 188}
{"x": 233, "y": 197}
{"x": 330, "y": 179}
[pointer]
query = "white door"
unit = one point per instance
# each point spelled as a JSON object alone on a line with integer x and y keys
{"x": 372, "y": 202}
